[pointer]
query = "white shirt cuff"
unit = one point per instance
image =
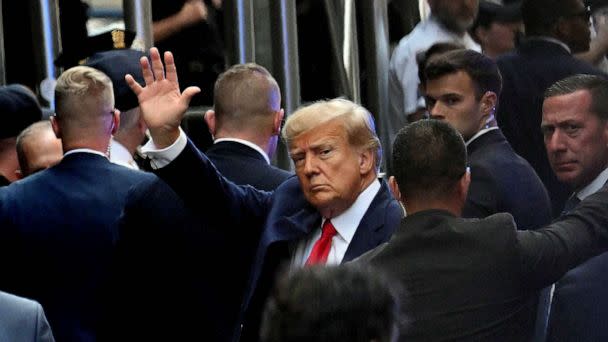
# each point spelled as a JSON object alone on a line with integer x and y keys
{"x": 161, "y": 158}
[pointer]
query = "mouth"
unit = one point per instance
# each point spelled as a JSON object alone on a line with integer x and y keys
{"x": 318, "y": 187}
{"x": 564, "y": 166}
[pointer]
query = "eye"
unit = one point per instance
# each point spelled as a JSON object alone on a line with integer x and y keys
{"x": 571, "y": 129}
{"x": 297, "y": 159}
{"x": 451, "y": 101}
{"x": 547, "y": 131}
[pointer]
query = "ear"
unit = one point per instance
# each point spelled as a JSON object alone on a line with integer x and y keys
{"x": 463, "y": 186}
{"x": 392, "y": 184}
{"x": 562, "y": 29}
{"x": 278, "y": 119}
{"x": 366, "y": 161}
{"x": 480, "y": 34}
{"x": 488, "y": 103}
{"x": 209, "y": 117}
{"x": 115, "y": 121}
{"x": 55, "y": 126}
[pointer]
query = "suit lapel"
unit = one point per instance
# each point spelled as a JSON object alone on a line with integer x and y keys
{"x": 372, "y": 227}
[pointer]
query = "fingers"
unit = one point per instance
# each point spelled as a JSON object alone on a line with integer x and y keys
{"x": 145, "y": 70}
{"x": 157, "y": 65}
{"x": 135, "y": 87}
{"x": 170, "y": 66}
{"x": 189, "y": 93}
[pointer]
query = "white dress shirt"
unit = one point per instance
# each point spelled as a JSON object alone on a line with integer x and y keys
{"x": 121, "y": 156}
{"x": 346, "y": 225}
{"x": 594, "y": 186}
{"x": 84, "y": 150}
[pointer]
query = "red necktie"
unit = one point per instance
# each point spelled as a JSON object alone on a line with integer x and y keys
{"x": 320, "y": 250}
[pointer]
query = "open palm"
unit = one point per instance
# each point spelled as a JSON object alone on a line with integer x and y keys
{"x": 161, "y": 103}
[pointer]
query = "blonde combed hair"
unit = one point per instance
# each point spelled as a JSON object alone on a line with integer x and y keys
{"x": 78, "y": 84}
{"x": 357, "y": 121}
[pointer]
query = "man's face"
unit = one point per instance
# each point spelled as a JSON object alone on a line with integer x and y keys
{"x": 576, "y": 139}
{"x": 452, "y": 98}
{"x": 456, "y": 15}
{"x": 328, "y": 168}
{"x": 575, "y": 30}
{"x": 42, "y": 152}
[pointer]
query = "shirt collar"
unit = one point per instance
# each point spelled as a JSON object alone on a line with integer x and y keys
{"x": 246, "y": 143}
{"x": 120, "y": 155}
{"x": 346, "y": 223}
{"x": 84, "y": 150}
{"x": 594, "y": 186}
{"x": 480, "y": 133}
{"x": 552, "y": 40}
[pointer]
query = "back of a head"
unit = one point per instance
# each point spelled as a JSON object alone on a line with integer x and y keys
{"x": 323, "y": 304}
{"x": 20, "y": 108}
{"x": 37, "y": 148}
{"x": 429, "y": 158}
{"x": 540, "y": 16}
{"x": 357, "y": 121}
{"x": 116, "y": 64}
{"x": 84, "y": 102}
{"x": 245, "y": 97}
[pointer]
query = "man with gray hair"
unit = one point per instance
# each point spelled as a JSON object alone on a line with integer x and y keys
{"x": 335, "y": 210}
{"x": 59, "y": 226}
{"x": 575, "y": 130}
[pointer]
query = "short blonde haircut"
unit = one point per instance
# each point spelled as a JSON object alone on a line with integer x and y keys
{"x": 82, "y": 85}
{"x": 357, "y": 121}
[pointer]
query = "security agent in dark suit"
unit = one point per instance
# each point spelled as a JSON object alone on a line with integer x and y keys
{"x": 575, "y": 128}
{"x": 59, "y": 226}
{"x": 245, "y": 123}
{"x": 462, "y": 87}
{"x": 336, "y": 152}
{"x": 472, "y": 279}
{"x": 132, "y": 131}
{"x": 555, "y": 30}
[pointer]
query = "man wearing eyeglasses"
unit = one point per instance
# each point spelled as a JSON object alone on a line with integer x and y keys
{"x": 555, "y": 30}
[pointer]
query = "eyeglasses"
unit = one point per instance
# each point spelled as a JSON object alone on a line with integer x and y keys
{"x": 584, "y": 14}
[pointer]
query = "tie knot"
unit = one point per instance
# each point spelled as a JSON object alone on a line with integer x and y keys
{"x": 328, "y": 230}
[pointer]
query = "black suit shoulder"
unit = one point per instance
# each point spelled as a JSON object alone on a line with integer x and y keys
{"x": 502, "y": 181}
{"x": 245, "y": 166}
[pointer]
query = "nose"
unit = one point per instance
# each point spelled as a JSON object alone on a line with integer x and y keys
{"x": 555, "y": 142}
{"x": 435, "y": 111}
{"x": 310, "y": 165}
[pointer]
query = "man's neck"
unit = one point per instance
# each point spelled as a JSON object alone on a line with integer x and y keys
{"x": 414, "y": 206}
{"x": 9, "y": 165}
{"x": 263, "y": 142}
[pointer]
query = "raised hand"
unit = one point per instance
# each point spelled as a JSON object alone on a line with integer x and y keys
{"x": 161, "y": 103}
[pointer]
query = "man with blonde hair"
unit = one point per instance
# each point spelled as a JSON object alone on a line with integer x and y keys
{"x": 334, "y": 211}
{"x": 59, "y": 226}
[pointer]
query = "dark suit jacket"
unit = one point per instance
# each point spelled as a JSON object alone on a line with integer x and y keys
{"x": 58, "y": 229}
{"x": 526, "y": 74}
{"x": 281, "y": 217}
{"x": 580, "y": 303}
{"x": 475, "y": 279}
{"x": 243, "y": 165}
{"x": 503, "y": 182}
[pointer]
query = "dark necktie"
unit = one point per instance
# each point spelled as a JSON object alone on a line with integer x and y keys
{"x": 320, "y": 250}
{"x": 571, "y": 203}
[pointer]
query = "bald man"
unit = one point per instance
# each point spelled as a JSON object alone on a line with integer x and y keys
{"x": 37, "y": 149}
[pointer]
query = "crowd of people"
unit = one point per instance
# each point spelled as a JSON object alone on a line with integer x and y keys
{"x": 491, "y": 222}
